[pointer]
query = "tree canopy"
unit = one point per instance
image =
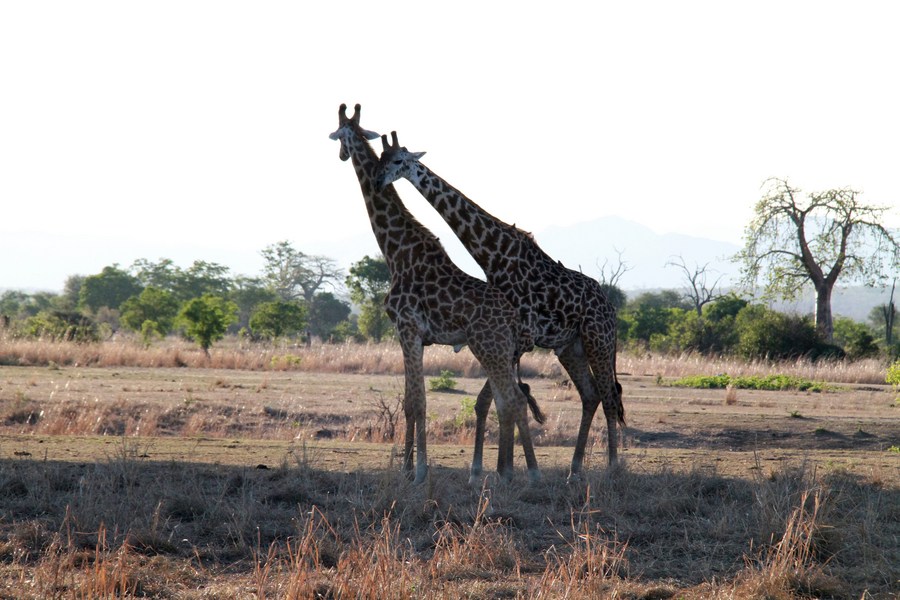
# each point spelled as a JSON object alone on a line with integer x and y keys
{"x": 795, "y": 240}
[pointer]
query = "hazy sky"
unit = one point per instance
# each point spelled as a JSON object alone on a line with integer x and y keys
{"x": 199, "y": 130}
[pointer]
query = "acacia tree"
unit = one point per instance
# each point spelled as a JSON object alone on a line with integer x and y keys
{"x": 293, "y": 274}
{"x": 794, "y": 241}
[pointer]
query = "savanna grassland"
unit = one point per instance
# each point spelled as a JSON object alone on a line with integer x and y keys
{"x": 272, "y": 472}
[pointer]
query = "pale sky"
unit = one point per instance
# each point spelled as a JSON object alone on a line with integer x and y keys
{"x": 199, "y": 130}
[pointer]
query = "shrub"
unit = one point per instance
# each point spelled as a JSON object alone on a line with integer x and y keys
{"x": 443, "y": 383}
{"x": 893, "y": 375}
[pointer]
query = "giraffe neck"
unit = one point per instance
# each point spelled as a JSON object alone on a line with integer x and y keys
{"x": 396, "y": 229}
{"x": 494, "y": 245}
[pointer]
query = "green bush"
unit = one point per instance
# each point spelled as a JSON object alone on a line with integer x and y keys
{"x": 443, "y": 383}
{"x": 893, "y": 375}
{"x": 753, "y": 382}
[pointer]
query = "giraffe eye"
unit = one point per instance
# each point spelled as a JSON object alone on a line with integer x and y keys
{"x": 398, "y": 162}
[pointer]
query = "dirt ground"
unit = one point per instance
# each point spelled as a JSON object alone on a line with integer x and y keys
{"x": 264, "y": 418}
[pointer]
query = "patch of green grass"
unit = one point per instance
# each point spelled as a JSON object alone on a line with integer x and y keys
{"x": 443, "y": 383}
{"x": 753, "y": 382}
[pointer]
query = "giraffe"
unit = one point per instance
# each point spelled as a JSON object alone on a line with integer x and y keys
{"x": 565, "y": 310}
{"x": 432, "y": 301}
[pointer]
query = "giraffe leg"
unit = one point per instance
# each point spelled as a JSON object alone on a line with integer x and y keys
{"x": 600, "y": 348}
{"x": 534, "y": 473}
{"x": 482, "y": 407}
{"x": 512, "y": 408}
{"x": 575, "y": 363}
{"x": 414, "y": 407}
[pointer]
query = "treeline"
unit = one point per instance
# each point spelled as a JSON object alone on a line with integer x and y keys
{"x": 297, "y": 295}
{"x": 670, "y": 322}
{"x": 304, "y": 296}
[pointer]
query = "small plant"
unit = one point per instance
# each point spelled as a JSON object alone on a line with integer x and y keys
{"x": 893, "y": 376}
{"x": 894, "y": 449}
{"x": 466, "y": 414}
{"x": 443, "y": 383}
{"x": 795, "y": 414}
{"x": 284, "y": 362}
{"x": 753, "y": 382}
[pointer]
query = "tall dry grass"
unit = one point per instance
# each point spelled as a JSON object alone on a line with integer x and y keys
{"x": 112, "y": 530}
{"x": 386, "y": 358}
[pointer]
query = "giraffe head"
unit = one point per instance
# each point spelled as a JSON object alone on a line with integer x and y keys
{"x": 348, "y": 126}
{"x": 396, "y": 162}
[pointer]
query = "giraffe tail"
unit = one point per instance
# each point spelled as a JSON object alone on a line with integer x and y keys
{"x": 620, "y": 407}
{"x": 536, "y": 411}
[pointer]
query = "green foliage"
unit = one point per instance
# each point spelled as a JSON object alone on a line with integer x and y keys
{"x": 110, "y": 288}
{"x": 765, "y": 333}
{"x": 443, "y": 383}
{"x": 206, "y": 319}
{"x": 278, "y": 318}
{"x": 152, "y": 313}
{"x": 893, "y": 375}
{"x": 325, "y": 313}
{"x": 63, "y": 326}
{"x": 285, "y": 361}
{"x": 369, "y": 282}
{"x": 466, "y": 415}
{"x": 753, "y": 382}
{"x": 855, "y": 338}
{"x": 248, "y": 293}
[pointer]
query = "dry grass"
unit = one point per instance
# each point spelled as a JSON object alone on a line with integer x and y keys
{"x": 109, "y": 530}
{"x": 137, "y": 519}
{"x": 386, "y": 358}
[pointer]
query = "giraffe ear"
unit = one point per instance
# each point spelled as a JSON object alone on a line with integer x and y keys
{"x": 417, "y": 155}
{"x": 370, "y": 135}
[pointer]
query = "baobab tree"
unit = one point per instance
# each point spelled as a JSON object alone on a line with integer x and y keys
{"x": 795, "y": 240}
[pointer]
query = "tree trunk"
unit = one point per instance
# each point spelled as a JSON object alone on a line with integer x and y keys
{"x": 824, "y": 322}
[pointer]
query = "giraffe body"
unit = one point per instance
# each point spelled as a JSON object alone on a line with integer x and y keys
{"x": 565, "y": 310}
{"x": 432, "y": 301}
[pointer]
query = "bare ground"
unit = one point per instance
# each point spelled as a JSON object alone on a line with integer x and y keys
{"x": 216, "y": 456}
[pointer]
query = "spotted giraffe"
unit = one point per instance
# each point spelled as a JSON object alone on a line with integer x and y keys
{"x": 565, "y": 310}
{"x": 432, "y": 301}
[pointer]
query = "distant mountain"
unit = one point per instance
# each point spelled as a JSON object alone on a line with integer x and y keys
{"x": 587, "y": 245}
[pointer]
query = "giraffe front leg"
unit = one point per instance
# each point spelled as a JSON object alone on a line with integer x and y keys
{"x": 482, "y": 407}
{"x": 575, "y": 363}
{"x": 414, "y": 406}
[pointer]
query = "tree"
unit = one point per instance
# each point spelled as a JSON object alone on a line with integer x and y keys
{"x": 884, "y": 316}
{"x": 152, "y": 313}
{"x": 72, "y": 291}
{"x": 651, "y": 314}
{"x": 793, "y": 242}
{"x": 293, "y": 274}
{"x": 277, "y": 318}
{"x": 202, "y": 278}
{"x": 856, "y": 339}
{"x": 369, "y": 282}
{"x": 697, "y": 291}
{"x": 248, "y": 293}
{"x": 206, "y": 319}
{"x": 609, "y": 280}
{"x": 110, "y": 288}
{"x": 325, "y": 313}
